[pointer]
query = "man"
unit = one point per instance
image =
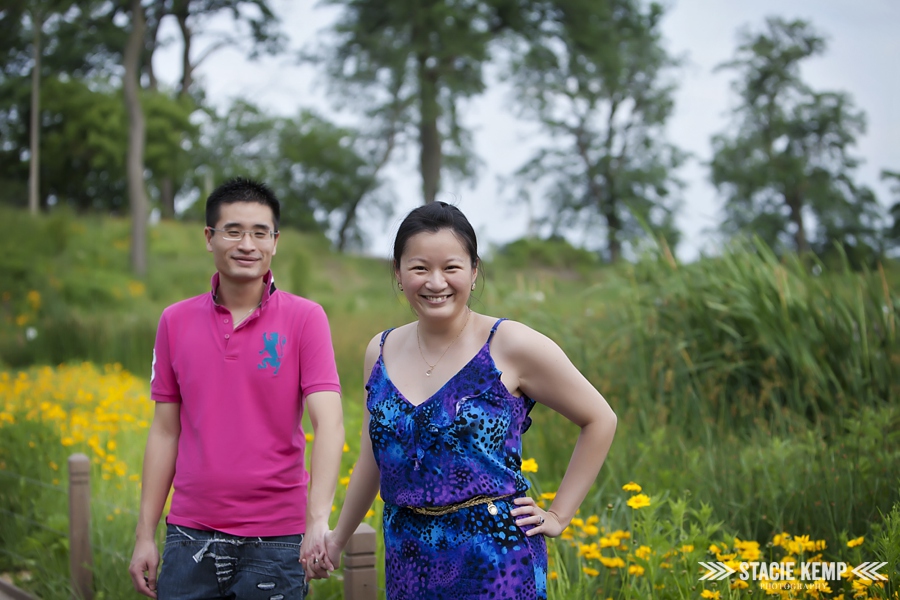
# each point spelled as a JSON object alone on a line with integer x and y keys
{"x": 233, "y": 371}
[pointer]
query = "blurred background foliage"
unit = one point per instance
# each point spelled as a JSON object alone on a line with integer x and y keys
{"x": 594, "y": 77}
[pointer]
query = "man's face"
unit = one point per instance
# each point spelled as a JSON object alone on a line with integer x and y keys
{"x": 249, "y": 258}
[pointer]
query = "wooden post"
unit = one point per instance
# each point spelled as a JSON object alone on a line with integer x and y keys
{"x": 360, "y": 576}
{"x": 81, "y": 559}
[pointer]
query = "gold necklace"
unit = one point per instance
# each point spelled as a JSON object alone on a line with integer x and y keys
{"x": 242, "y": 319}
{"x": 422, "y": 354}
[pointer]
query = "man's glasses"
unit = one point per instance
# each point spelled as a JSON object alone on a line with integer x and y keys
{"x": 236, "y": 235}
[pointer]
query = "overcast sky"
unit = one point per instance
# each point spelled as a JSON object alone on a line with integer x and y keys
{"x": 861, "y": 59}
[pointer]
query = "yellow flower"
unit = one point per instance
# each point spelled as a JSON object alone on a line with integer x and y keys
{"x": 749, "y": 550}
{"x": 529, "y": 465}
{"x": 612, "y": 563}
{"x": 636, "y": 570}
{"x": 643, "y": 552}
{"x": 554, "y": 575}
{"x": 609, "y": 542}
{"x": 639, "y": 501}
{"x": 589, "y": 551}
{"x": 309, "y": 437}
{"x": 714, "y": 549}
{"x": 687, "y": 548}
{"x": 739, "y": 584}
{"x": 344, "y": 480}
{"x": 136, "y": 288}
{"x": 861, "y": 588}
{"x": 710, "y": 595}
{"x": 549, "y": 495}
{"x": 856, "y": 542}
{"x": 346, "y": 447}
{"x": 34, "y": 299}
{"x": 631, "y": 487}
{"x": 370, "y": 513}
{"x": 590, "y": 572}
{"x": 54, "y": 466}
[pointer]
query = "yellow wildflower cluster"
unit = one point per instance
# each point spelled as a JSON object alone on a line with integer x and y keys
{"x": 638, "y": 500}
{"x": 613, "y": 554}
{"x": 797, "y": 545}
{"x": 796, "y": 549}
{"x": 91, "y": 409}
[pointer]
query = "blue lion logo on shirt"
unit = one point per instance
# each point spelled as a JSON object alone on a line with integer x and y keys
{"x": 273, "y": 345}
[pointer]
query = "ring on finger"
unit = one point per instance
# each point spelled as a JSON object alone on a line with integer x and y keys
{"x": 541, "y": 521}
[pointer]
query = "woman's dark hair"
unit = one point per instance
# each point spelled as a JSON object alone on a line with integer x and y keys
{"x": 432, "y": 218}
{"x": 241, "y": 190}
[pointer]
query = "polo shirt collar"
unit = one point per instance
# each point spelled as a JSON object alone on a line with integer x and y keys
{"x": 268, "y": 278}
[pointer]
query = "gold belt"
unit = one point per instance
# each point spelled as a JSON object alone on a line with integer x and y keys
{"x": 437, "y": 511}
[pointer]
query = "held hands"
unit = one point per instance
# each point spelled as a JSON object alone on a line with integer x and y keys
{"x": 321, "y": 558}
{"x": 315, "y": 560}
{"x": 542, "y": 521}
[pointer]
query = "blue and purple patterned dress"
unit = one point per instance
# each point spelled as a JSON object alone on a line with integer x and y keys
{"x": 462, "y": 442}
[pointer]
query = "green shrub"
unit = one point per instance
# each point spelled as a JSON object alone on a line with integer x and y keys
{"x": 554, "y": 252}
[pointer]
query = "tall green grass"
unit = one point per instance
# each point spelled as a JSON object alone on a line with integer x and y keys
{"x": 745, "y": 341}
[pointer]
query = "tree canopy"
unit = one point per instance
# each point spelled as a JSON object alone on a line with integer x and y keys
{"x": 785, "y": 167}
{"x": 600, "y": 83}
{"x": 594, "y": 75}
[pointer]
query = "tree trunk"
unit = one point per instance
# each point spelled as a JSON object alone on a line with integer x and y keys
{"x": 187, "y": 69}
{"x": 34, "y": 165}
{"x": 347, "y": 222}
{"x": 166, "y": 184}
{"x": 605, "y": 198}
{"x": 137, "y": 193}
{"x": 167, "y": 197}
{"x": 795, "y": 203}
{"x": 429, "y": 136}
{"x": 613, "y": 228}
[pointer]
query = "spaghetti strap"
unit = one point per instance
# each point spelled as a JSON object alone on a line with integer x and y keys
{"x": 384, "y": 335}
{"x": 493, "y": 330}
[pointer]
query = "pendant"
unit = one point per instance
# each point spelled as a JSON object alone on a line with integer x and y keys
{"x": 492, "y": 508}
{"x": 428, "y": 373}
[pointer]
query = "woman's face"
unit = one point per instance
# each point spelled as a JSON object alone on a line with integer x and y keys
{"x": 436, "y": 274}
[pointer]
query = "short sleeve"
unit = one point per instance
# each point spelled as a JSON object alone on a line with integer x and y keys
{"x": 318, "y": 371}
{"x": 163, "y": 382}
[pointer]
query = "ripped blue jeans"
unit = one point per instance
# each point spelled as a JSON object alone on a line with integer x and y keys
{"x": 210, "y": 565}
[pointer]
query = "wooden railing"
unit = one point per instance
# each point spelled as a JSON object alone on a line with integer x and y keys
{"x": 360, "y": 576}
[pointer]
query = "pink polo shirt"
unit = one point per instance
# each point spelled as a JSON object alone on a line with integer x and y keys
{"x": 240, "y": 466}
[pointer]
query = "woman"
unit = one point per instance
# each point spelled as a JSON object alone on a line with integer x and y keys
{"x": 448, "y": 401}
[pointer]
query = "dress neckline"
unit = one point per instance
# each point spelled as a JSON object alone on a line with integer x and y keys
{"x": 403, "y": 397}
